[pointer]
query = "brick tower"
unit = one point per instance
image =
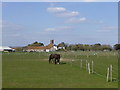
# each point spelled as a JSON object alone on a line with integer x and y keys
{"x": 51, "y": 41}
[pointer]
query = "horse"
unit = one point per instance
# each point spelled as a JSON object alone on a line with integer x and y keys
{"x": 54, "y": 58}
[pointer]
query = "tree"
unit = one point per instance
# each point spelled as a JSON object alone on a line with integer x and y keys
{"x": 106, "y": 47}
{"x": 80, "y": 47}
{"x": 73, "y": 47}
{"x": 62, "y": 45}
{"x": 19, "y": 49}
{"x": 36, "y": 44}
{"x": 87, "y": 47}
{"x": 96, "y": 46}
{"x": 117, "y": 46}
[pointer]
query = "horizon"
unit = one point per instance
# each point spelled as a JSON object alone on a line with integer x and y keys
{"x": 71, "y": 22}
{"x": 61, "y": 42}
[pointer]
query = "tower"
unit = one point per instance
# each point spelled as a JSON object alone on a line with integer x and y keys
{"x": 51, "y": 41}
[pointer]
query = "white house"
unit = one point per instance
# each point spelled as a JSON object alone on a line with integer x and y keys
{"x": 48, "y": 48}
{"x": 6, "y": 48}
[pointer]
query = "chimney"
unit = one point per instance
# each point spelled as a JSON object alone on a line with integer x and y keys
{"x": 51, "y": 41}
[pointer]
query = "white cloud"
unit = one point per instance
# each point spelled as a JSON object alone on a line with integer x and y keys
{"x": 62, "y": 28}
{"x": 50, "y": 29}
{"x": 62, "y": 12}
{"x": 56, "y": 9}
{"x": 108, "y": 29}
{"x": 82, "y": 19}
{"x": 68, "y": 14}
{"x": 76, "y": 20}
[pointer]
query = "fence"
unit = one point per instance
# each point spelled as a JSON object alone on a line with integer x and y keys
{"x": 108, "y": 72}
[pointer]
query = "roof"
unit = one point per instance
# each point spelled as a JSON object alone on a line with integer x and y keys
{"x": 5, "y": 47}
{"x": 38, "y": 47}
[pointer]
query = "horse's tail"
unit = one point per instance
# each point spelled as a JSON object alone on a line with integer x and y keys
{"x": 50, "y": 57}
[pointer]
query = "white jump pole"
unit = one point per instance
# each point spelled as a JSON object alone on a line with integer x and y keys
{"x": 81, "y": 64}
{"x": 92, "y": 67}
{"x": 107, "y": 75}
{"x": 89, "y": 67}
{"x": 111, "y": 73}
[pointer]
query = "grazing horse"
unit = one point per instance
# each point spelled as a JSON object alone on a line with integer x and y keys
{"x": 55, "y": 58}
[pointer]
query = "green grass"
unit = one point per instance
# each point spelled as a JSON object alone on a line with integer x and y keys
{"x": 32, "y": 70}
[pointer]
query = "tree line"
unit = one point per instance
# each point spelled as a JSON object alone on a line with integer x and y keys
{"x": 87, "y": 47}
{"x": 77, "y": 47}
{"x": 82, "y": 47}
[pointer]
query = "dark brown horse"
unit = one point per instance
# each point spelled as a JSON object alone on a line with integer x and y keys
{"x": 54, "y": 58}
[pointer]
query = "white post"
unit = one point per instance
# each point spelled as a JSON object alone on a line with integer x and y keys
{"x": 111, "y": 73}
{"x": 92, "y": 67}
{"x": 114, "y": 53}
{"x": 86, "y": 65}
{"x": 107, "y": 75}
{"x": 81, "y": 64}
{"x": 89, "y": 67}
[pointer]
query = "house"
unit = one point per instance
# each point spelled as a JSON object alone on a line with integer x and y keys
{"x": 61, "y": 48}
{"x": 6, "y": 49}
{"x": 48, "y": 48}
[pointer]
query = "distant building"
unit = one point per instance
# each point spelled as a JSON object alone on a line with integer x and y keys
{"x": 6, "y": 49}
{"x": 61, "y": 48}
{"x": 48, "y": 48}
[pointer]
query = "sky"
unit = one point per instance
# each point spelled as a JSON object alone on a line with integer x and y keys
{"x": 70, "y": 22}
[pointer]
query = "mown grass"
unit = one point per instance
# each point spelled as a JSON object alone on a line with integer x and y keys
{"x": 32, "y": 70}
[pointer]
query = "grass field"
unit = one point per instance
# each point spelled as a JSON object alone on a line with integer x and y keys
{"x": 32, "y": 70}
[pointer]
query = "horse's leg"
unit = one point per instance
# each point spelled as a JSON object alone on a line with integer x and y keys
{"x": 52, "y": 60}
{"x": 58, "y": 61}
{"x": 55, "y": 61}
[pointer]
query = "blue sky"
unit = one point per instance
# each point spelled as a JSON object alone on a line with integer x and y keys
{"x": 69, "y": 22}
